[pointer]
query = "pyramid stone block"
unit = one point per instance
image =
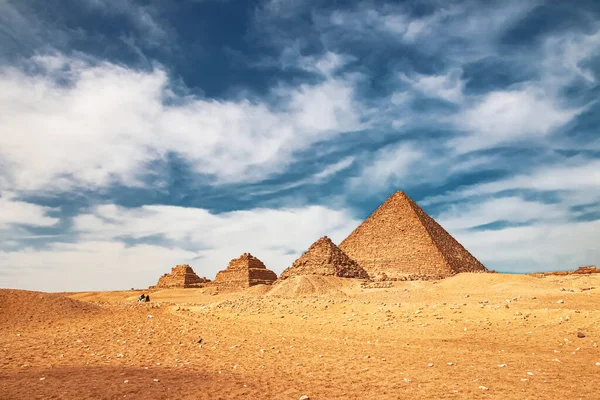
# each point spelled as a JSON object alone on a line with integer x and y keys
{"x": 399, "y": 240}
{"x": 181, "y": 276}
{"x": 325, "y": 258}
{"x": 244, "y": 272}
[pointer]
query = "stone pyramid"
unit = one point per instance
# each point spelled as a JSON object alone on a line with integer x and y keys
{"x": 399, "y": 241}
{"x": 181, "y": 276}
{"x": 325, "y": 258}
{"x": 244, "y": 272}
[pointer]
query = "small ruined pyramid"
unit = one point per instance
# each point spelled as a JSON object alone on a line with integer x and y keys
{"x": 243, "y": 272}
{"x": 181, "y": 276}
{"x": 400, "y": 241}
{"x": 325, "y": 258}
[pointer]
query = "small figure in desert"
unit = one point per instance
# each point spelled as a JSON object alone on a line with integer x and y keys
{"x": 147, "y": 298}
{"x": 142, "y": 298}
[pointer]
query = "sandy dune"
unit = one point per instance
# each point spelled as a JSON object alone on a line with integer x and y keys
{"x": 471, "y": 336}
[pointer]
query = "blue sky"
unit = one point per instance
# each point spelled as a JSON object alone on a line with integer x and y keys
{"x": 136, "y": 135}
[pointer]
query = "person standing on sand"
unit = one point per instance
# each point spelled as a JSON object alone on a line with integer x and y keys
{"x": 147, "y": 298}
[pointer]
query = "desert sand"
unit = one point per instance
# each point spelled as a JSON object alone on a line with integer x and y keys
{"x": 469, "y": 336}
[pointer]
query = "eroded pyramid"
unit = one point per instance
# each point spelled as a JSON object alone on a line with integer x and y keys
{"x": 399, "y": 240}
{"x": 181, "y": 276}
{"x": 243, "y": 272}
{"x": 325, "y": 258}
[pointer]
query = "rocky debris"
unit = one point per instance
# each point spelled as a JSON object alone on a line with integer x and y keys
{"x": 325, "y": 258}
{"x": 399, "y": 239}
{"x": 244, "y": 272}
{"x": 181, "y": 276}
{"x": 376, "y": 285}
{"x": 304, "y": 397}
{"x": 585, "y": 270}
{"x": 580, "y": 335}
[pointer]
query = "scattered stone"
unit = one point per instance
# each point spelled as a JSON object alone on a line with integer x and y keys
{"x": 530, "y": 373}
{"x": 156, "y": 380}
{"x": 430, "y": 365}
{"x": 483, "y": 388}
{"x": 561, "y": 301}
{"x": 125, "y": 381}
{"x": 502, "y": 365}
{"x": 42, "y": 379}
{"x": 580, "y": 335}
{"x": 451, "y": 363}
{"x": 304, "y": 397}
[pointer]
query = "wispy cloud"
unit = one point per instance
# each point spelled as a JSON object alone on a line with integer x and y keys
{"x": 110, "y": 121}
{"x": 20, "y": 212}
{"x": 205, "y": 240}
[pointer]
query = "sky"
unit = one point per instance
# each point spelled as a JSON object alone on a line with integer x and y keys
{"x": 136, "y": 135}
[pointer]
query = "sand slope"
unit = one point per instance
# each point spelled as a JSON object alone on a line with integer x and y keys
{"x": 311, "y": 285}
{"x": 20, "y": 307}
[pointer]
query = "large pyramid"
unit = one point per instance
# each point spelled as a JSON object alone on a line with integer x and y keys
{"x": 399, "y": 240}
{"x": 325, "y": 258}
{"x": 243, "y": 272}
{"x": 181, "y": 276}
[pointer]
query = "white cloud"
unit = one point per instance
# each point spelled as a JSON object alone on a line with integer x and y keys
{"x": 144, "y": 18}
{"x": 90, "y": 265}
{"x": 108, "y": 122}
{"x": 206, "y": 241}
{"x": 19, "y": 212}
{"x": 462, "y": 32}
{"x": 540, "y": 247}
{"x": 448, "y": 86}
{"x": 389, "y": 166}
{"x": 463, "y": 215}
{"x": 513, "y": 115}
{"x": 320, "y": 177}
{"x": 581, "y": 176}
{"x": 564, "y": 56}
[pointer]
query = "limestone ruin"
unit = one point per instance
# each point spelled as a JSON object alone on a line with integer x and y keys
{"x": 244, "y": 272}
{"x": 325, "y": 258}
{"x": 181, "y": 276}
{"x": 400, "y": 241}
